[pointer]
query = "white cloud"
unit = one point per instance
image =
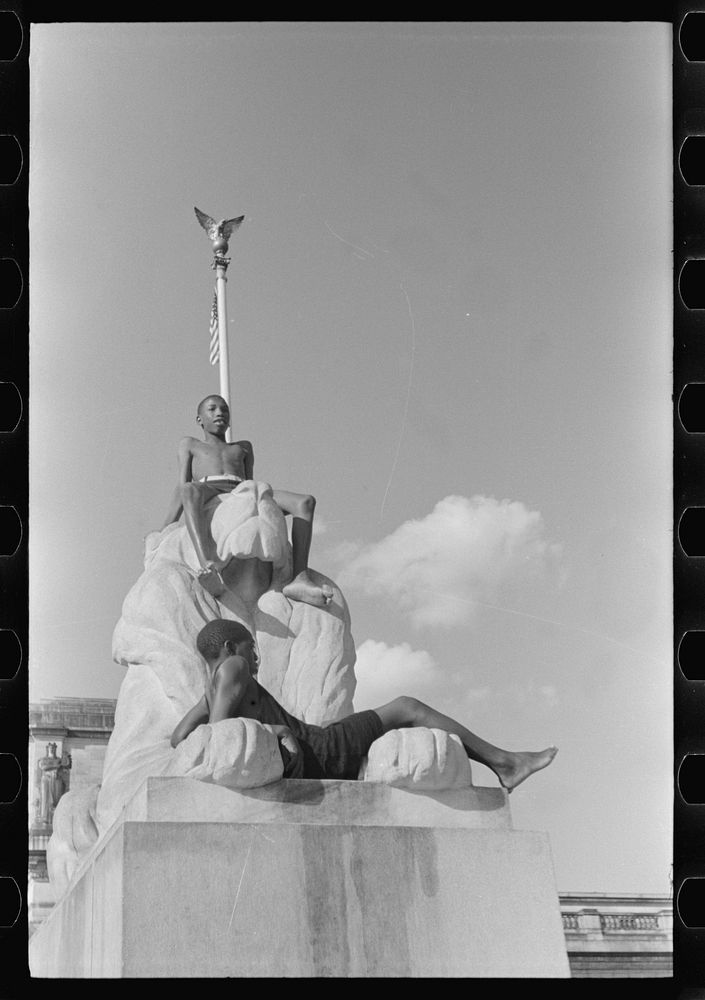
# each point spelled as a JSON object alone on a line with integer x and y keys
{"x": 385, "y": 672}
{"x": 436, "y": 567}
{"x": 532, "y": 698}
{"x": 549, "y": 693}
{"x": 477, "y": 695}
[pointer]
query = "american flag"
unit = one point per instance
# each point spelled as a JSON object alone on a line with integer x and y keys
{"x": 215, "y": 346}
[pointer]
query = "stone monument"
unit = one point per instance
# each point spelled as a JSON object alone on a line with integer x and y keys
{"x": 201, "y": 861}
{"x": 52, "y": 785}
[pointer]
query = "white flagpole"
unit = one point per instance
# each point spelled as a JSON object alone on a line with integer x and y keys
{"x": 221, "y": 265}
{"x": 219, "y": 234}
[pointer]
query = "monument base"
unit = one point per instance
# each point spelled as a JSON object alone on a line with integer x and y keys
{"x": 308, "y": 879}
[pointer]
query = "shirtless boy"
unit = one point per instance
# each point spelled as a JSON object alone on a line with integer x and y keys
{"x": 334, "y": 751}
{"x": 213, "y": 466}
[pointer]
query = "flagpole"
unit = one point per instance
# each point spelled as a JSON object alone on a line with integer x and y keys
{"x": 220, "y": 265}
{"x": 219, "y": 234}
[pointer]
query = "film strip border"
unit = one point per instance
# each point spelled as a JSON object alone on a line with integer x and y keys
{"x": 689, "y": 497}
{"x": 689, "y": 490}
{"x": 14, "y": 487}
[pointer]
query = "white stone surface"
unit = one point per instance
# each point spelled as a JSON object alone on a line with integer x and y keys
{"x": 87, "y": 765}
{"x": 178, "y": 800}
{"x": 75, "y": 832}
{"x": 245, "y": 522}
{"x": 420, "y": 759}
{"x": 240, "y": 753}
{"x": 291, "y": 898}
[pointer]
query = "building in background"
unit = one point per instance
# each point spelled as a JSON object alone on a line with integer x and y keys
{"x": 67, "y": 743}
{"x": 607, "y": 935}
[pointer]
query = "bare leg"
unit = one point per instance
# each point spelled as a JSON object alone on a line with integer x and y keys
{"x": 511, "y": 768}
{"x": 302, "y": 587}
{"x": 194, "y": 497}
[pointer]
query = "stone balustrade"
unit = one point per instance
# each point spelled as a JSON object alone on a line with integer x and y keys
{"x": 611, "y": 923}
{"x": 629, "y": 922}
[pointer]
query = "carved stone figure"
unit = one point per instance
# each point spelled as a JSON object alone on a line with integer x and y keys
{"x": 52, "y": 783}
{"x": 307, "y": 653}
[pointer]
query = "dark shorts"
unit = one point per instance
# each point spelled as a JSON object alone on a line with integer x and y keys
{"x": 337, "y": 751}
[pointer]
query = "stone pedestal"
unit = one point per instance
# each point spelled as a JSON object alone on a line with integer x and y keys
{"x": 308, "y": 879}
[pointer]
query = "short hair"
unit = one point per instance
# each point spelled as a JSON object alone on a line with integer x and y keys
{"x": 215, "y": 634}
{"x": 212, "y": 395}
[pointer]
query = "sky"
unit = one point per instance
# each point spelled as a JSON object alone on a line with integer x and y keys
{"x": 449, "y": 313}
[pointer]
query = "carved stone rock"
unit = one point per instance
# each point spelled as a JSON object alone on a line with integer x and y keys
{"x": 420, "y": 759}
{"x": 75, "y": 832}
{"x": 239, "y": 753}
{"x": 306, "y": 653}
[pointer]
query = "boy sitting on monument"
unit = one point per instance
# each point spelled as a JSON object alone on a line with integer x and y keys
{"x": 336, "y": 750}
{"x": 213, "y": 466}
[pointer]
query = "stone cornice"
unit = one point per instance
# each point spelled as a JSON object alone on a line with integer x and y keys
{"x": 597, "y": 900}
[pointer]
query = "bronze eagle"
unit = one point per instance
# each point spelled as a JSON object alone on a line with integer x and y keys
{"x": 222, "y": 230}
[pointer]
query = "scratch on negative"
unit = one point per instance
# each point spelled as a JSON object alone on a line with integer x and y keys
{"x": 242, "y": 875}
{"x": 552, "y": 621}
{"x": 408, "y": 396}
{"x": 347, "y": 242}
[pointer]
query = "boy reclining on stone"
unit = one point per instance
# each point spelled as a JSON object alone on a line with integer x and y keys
{"x": 336, "y": 750}
{"x": 213, "y": 466}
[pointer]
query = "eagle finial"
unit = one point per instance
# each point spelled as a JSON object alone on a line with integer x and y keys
{"x": 218, "y": 232}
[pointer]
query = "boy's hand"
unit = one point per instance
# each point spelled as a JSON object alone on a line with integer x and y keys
{"x": 291, "y": 752}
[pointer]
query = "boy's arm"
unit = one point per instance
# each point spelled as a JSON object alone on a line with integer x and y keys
{"x": 185, "y": 460}
{"x": 249, "y": 459}
{"x": 232, "y": 681}
{"x": 197, "y": 716}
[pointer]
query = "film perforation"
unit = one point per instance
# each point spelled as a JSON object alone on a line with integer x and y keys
{"x": 11, "y": 35}
{"x": 10, "y": 530}
{"x": 691, "y": 532}
{"x": 10, "y": 901}
{"x": 691, "y": 160}
{"x": 10, "y": 778}
{"x": 691, "y": 36}
{"x": 11, "y": 160}
{"x": 691, "y": 407}
{"x": 691, "y": 655}
{"x": 11, "y": 407}
{"x": 691, "y": 778}
{"x": 11, "y": 283}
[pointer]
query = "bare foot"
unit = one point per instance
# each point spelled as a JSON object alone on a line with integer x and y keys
{"x": 302, "y": 588}
{"x": 520, "y": 765}
{"x": 210, "y": 579}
